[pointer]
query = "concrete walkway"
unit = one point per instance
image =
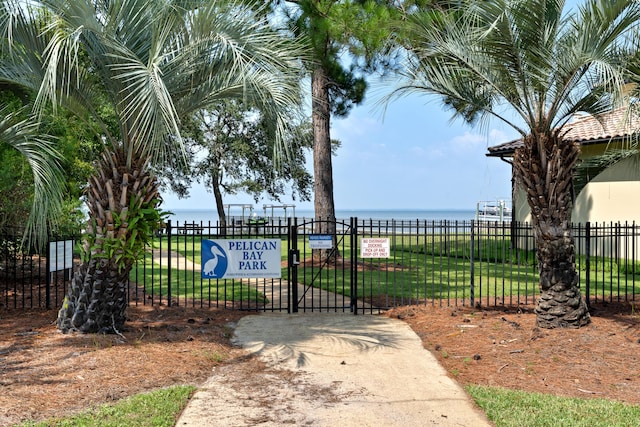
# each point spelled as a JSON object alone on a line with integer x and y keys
{"x": 374, "y": 368}
{"x": 178, "y": 261}
{"x": 309, "y": 299}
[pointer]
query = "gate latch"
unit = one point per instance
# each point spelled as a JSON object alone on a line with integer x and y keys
{"x": 294, "y": 257}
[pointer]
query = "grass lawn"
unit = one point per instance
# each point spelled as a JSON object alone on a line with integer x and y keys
{"x": 188, "y": 283}
{"x": 419, "y": 267}
{"x": 512, "y": 408}
{"x": 158, "y": 409}
{"x": 505, "y": 408}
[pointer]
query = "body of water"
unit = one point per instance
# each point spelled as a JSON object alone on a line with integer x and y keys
{"x": 205, "y": 216}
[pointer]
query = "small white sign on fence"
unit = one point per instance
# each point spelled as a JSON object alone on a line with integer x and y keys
{"x": 320, "y": 241}
{"x": 60, "y": 255}
{"x": 375, "y": 247}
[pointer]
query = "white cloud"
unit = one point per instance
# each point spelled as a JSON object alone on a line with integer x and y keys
{"x": 468, "y": 141}
{"x": 471, "y": 143}
{"x": 497, "y": 136}
{"x": 418, "y": 151}
{"x": 354, "y": 128}
{"x": 437, "y": 153}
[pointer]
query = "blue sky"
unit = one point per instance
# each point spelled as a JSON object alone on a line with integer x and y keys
{"x": 413, "y": 157}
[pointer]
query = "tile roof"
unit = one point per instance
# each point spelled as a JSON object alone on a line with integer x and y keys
{"x": 586, "y": 129}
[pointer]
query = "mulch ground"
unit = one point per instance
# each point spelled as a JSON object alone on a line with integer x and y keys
{"x": 505, "y": 348}
{"x": 44, "y": 373}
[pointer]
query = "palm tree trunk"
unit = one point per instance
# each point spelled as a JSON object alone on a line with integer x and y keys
{"x": 544, "y": 167}
{"x": 119, "y": 199}
{"x": 97, "y": 299}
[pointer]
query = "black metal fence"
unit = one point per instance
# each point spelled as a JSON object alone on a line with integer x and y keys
{"x": 35, "y": 277}
{"x": 420, "y": 262}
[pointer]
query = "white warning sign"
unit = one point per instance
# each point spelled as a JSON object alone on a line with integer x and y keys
{"x": 375, "y": 247}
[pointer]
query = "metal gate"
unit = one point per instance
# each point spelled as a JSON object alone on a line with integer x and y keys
{"x": 323, "y": 267}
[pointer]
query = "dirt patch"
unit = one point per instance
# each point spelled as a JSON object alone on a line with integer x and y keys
{"x": 44, "y": 373}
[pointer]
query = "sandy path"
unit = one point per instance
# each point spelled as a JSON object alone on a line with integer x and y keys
{"x": 333, "y": 369}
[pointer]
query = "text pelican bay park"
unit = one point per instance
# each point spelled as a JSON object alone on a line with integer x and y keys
{"x": 241, "y": 258}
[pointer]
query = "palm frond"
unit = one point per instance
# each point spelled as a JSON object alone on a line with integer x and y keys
{"x": 40, "y": 153}
{"x": 161, "y": 60}
{"x": 528, "y": 56}
{"x": 155, "y": 61}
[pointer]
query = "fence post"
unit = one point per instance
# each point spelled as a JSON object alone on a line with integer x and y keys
{"x": 354, "y": 266}
{"x": 633, "y": 260}
{"x": 168, "y": 264}
{"x": 587, "y": 262}
{"x": 472, "y": 289}
{"x": 292, "y": 295}
{"x": 48, "y": 273}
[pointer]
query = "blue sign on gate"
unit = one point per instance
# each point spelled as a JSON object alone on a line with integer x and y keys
{"x": 241, "y": 258}
{"x": 320, "y": 241}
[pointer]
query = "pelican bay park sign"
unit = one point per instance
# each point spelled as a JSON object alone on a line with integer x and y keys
{"x": 241, "y": 258}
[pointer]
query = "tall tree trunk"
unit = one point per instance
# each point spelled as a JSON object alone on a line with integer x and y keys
{"x": 217, "y": 194}
{"x": 545, "y": 166}
{"x": 322, "y": 167}
{"x": 119, "y": 199}
{"x": 322, "y": 162}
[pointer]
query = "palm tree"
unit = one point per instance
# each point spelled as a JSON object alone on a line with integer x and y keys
{"x": 152, "y": 62}
{"x": 532, "y": 65}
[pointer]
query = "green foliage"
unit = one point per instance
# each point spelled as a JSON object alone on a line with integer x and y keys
{"x": 159, "y": 408}
{"x": 359, "y": 28}
{"x": 533, "y": 65}
{"x": 44, "y": 190}
{"x": 348, "y": 40}
{"x": 141, "y": 225}
{"x": 16, "y": 180}
{"x": 230, "y": 147}
{"x": 16, "y": 187}
{"x": 94, "y": 80}
{"x": 71, "y": 221}
{"x": 78, "y": 141}
{"x": 78, "y": 146}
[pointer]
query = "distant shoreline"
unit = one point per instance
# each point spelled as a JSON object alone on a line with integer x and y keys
{"x": 342, "y": 210}
{"x": 210, "y": 215}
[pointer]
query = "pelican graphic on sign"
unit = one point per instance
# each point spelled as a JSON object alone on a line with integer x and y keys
{"x": 209, "y": 268}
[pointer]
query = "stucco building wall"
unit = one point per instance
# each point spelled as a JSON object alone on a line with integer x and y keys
{"x": 611, "y": 197}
